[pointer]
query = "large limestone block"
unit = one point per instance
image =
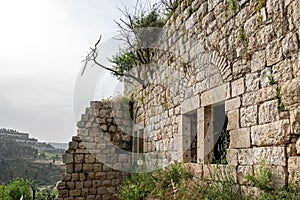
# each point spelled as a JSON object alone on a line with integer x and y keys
{"x": 219, "y": 172}
{"x": 290, "y": 93}
{"x": 268, "y": 112}
{"x": 295, "y": 121}
{"x": 298, "y": 146}
{"x": 240, "y": 138}
{"x": 269, "y": 155}
{"x": 232, "y": 156}
{"x": 293, "y": 168}
{"x": 215, "y": 95}
{"x": 232, "y": 104}
{"x": 245, "y": 156}
{"x": 274, "y": 52}
{"x": 237, "y": 87}
{"x": 274, "y": 133}
{"x": 249, "y": 116}
{"x": 233, "y": 119}
{"x": 190, "y": 104}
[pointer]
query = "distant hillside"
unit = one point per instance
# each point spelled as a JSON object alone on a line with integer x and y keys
{"x": 57, "y": 145}
{"x": 14, "y": 135}
{"x": 24, "y": 157}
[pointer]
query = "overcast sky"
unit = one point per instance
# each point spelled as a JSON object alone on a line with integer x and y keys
{"x": 42, "y": 44}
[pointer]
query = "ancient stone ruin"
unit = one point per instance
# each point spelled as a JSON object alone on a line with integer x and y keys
{"x": 230, "y": 76}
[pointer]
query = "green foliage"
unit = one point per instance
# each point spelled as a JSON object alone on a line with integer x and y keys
{"x": 170, "y": 6}
{"x": 263, "y": 181}
{"x": 154, "y": 184}
{"x": 137, "y": 54}
{"x": 221, "y": 148}
{"x": 190, "y": 11}
{"x": 152, "y": 19}
{"x": 11, "y": 149}
{"x": 232, "y": 5}
{"x": 123, "y": 63}
{"x": 263, "y": 178}
{"x": 280, "y": 106}
{"x": 242, "y": 36}
{"x": 18, "y": 188}
{"x": 260, "y": 5}
{"x": 271, "y": 80}
{"x": 175, "y": 182}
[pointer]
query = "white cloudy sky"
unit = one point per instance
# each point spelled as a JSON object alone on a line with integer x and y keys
{"x": 42, "y": 44}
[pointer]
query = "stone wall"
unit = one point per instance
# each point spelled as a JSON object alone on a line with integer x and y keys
{"x": 94, "y": 166}
{"x": 244, "y": 54}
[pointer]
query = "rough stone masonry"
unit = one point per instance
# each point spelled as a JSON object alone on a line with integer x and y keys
{"x": 244, "y": 56}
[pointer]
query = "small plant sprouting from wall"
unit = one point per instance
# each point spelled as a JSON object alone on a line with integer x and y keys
{"x": 271, "y": 80}
{"x": 244, "y": 40}
{"x": 281, "y": 106}
{"x": 260, "y": 5}
{"x": 242, "y": 36}
{"x": 232, "y": 5}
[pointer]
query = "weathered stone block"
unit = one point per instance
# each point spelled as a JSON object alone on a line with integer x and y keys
{"x": 240, "y": 138}
{"x": 78, "y": 168}
{"x": 274, "y": 133}
{"x": 249, "y": 98}
{"x": 252, "y": 82}
{"x": 295, "y": 121}
{"x": 245, "y": 156}
{"x": 232, "y": 104}
{"x": 68, "y": 158}
{"x": 290, "y": 44}
{"x": 215, "y": 95}
{"x": 233, "y": 119}
{"x": 190, "y": 104}
{"x": 79, "y": 185}
{"x": 298, "y": 146}
{"x": 293, "y": 168}
{"x": 237, "y": 87}
{"x": 274, "y": 52}
{"x": 195, "y": 169}
{"x": 249, "y": 116}
{"x": 78, "y": 158}
{"x": 290, "y": 93}
{"x": 258, "y": 61}
{"x": 219, "y": 172}
{"x": 89, "y": 158}
{"x": 232, "y": 156}
{"x": 70, "y": 185}
{"x": 283, "y": 71}
{"x": 270, "y": 155}
{"x": 265, "y": 94}
{"x": 268, "y": 112}
{"x": 279, "y": 176}
{"x": 242, "y": 171}
{"x": 265, "y": 76}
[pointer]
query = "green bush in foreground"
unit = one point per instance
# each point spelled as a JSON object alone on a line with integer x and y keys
{"x": 21, "y": 188}
{"x": 176, "y": 182}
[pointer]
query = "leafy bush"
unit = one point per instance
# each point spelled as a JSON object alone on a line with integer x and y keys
{"x": 263, "y": 179}
{"x": 18, "y": 188}
{"x": 155, "y": 184}
{"x": 176, "y": 182}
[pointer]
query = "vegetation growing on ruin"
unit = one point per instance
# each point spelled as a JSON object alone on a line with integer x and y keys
{"x": 176, "y": 182}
